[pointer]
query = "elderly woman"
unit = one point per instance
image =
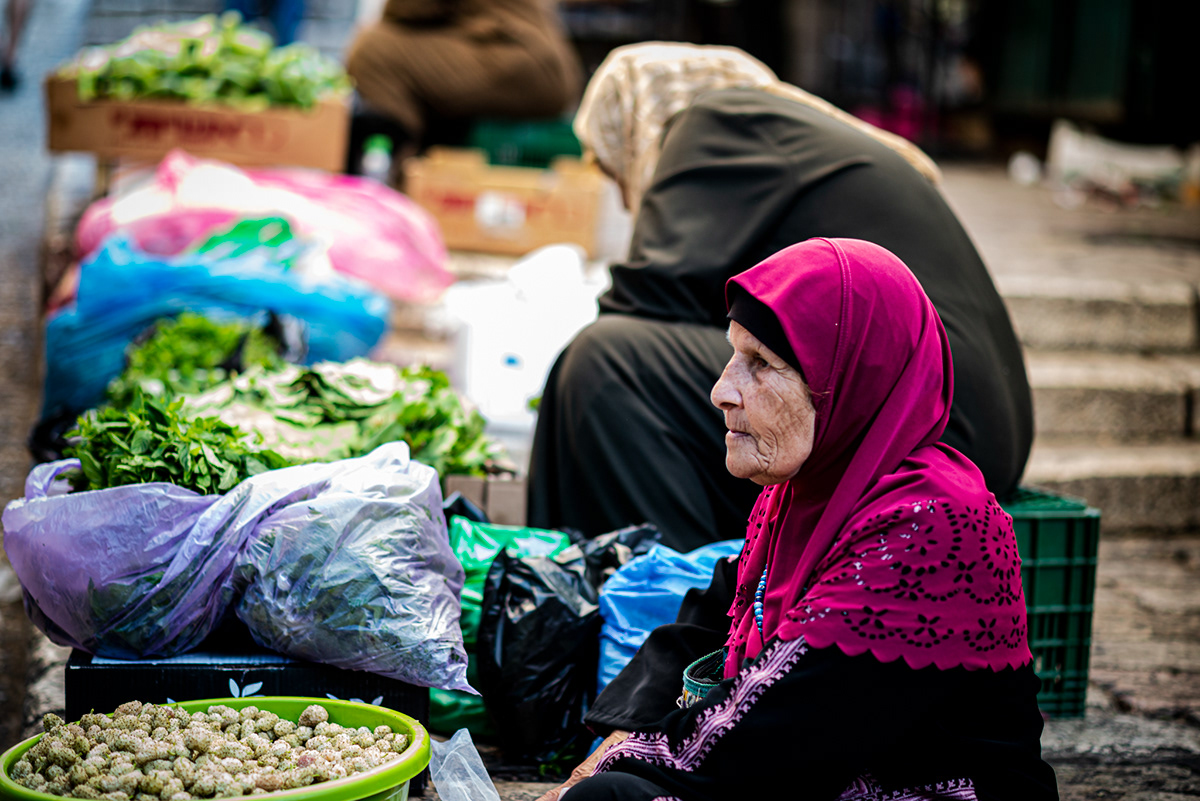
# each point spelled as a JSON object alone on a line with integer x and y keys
{"x": 870, "y": 640}
{"x": 724, "y": 165}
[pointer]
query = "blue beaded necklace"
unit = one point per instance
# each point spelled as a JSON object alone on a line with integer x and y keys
{"x": 759, "y": 595}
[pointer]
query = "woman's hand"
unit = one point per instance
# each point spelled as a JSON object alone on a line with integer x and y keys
{"x": 586, "y": 767}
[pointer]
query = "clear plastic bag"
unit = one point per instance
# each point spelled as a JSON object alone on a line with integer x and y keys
{"x": 361, "y": 576}
{"x": 458, "y": 772}
{"x": 118, "y": 571}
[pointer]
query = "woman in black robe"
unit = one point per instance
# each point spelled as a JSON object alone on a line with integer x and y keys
{"x": 744, "y": 166}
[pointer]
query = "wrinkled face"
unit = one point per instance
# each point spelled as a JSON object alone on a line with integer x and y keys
{"x": 768, "y": 412}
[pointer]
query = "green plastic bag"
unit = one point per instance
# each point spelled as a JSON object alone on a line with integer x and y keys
{"x": 476, "y": 545}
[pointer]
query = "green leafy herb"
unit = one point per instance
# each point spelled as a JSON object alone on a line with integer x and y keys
{"x": 152, "y": 440}
{"x": 334, "y": 411}
{"x": 206, "y": 60}
{"x": 188, "y": 355}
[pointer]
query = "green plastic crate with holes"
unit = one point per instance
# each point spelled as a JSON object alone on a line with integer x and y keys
{"x": 1057, "y": 537}
{"x": 525, "y": 143}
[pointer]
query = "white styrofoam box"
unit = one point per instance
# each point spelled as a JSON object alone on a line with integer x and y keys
{"x": 507, "y": 333}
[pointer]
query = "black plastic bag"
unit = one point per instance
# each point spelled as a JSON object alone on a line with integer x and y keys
{"x": 457, "y": 504}
{"x": 538, "y": 646}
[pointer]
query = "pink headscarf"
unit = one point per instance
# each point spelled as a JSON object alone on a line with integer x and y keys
{"x": 886, "y": 540}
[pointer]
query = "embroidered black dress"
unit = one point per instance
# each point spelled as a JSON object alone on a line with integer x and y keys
{"x": 815, "y": 724}
{"x": 626, "y": 432}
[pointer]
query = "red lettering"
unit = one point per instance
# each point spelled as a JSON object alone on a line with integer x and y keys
{"x": 197, "y": 128}
{"x": 455, "y": 202}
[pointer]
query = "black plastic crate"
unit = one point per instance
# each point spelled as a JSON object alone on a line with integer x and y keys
{"x": 1058, "y": 537}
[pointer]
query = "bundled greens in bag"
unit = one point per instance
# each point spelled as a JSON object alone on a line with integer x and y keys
{"x": 346, "y": 563}
{"x": 361, "y": 575}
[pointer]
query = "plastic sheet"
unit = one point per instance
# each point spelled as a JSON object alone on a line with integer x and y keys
{"x": 345, "y": 563}
{"x": 646, "y": 593}
{"x": 374, "y": 233}
{"x": 538, "y": 643}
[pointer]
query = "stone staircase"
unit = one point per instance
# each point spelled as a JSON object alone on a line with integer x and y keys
{"x": 1105, "y": 302}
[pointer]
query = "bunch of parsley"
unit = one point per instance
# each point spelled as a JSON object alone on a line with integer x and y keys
{"x": 151, "y": 440}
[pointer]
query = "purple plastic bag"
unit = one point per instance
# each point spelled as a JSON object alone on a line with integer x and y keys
{"x": 150, "y": 569}
{"x": 90, "y": 576}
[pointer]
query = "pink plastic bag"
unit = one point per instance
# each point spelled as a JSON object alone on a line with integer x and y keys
{"x": 374, "y": 233}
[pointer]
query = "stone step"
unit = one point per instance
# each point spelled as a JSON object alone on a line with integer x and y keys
{"x": 1152, "y": 488}
{"x": 1072, "y": 312}
{"x": 1114, "y": 396}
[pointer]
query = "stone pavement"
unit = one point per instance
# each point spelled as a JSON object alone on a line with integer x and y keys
{"x": 51, "y": 35}
{"x": 1140, "y": 738}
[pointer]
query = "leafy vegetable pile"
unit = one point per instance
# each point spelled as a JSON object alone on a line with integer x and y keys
{"x": 179, "y": 413}
{"x": 208, "y": 59}
{"x": 153, "y": 440}
{"x": 188, "y": 355}
{"x": 336, "y": 411}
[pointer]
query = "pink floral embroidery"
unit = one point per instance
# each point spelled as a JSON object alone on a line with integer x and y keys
{"x": 715, "y": 722}
{"x": 865, "y": 788}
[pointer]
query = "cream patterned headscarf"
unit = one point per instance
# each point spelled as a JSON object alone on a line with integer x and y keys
{"x": 639, "y": 88}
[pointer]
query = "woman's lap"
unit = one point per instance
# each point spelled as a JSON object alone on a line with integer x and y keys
{"x": 615, "y": 786}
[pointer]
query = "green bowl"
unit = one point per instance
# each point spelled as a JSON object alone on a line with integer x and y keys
{"x": 385, "y": 783}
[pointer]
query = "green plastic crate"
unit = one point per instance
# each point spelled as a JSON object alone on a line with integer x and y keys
{"x": 1057, "y": 537}
{"x": 525, "y": 143}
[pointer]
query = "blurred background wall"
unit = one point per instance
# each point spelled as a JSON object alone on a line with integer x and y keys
{"x": 960, "y": 77}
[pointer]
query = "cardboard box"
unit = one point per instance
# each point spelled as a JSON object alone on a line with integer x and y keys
{"x": 148, "y": 129}
{"x": 501, "y": 499}
{"x": 510, "y": 210}
{"x": 96, "y": 683}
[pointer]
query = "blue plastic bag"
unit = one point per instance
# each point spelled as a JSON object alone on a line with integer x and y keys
{"x": 123, "y": 290}
{"x": 645, "y": 593}
{"x": 346, "y": 563}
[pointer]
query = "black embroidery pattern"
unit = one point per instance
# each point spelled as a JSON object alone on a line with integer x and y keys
{"x": 935, "y": 574}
